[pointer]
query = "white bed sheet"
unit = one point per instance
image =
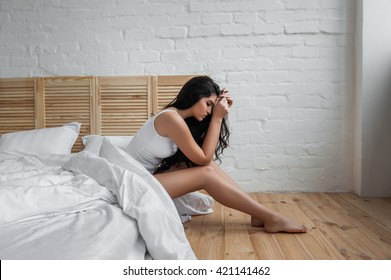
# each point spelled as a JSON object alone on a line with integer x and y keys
{"x": 83, "y": 207}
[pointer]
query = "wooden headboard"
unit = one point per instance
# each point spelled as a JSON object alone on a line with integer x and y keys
{"x": 103, "y": 105}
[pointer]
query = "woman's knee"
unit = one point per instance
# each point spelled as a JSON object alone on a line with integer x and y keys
{"x": 214, "y": 165}
{"x": 207, "y": 169}
{"x": 207, "y": 172}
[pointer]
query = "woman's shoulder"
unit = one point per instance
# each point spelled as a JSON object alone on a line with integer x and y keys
{"x": 169, "y": 113}
{"x": 167, "y": 120}
{"x": 168, "y": 110}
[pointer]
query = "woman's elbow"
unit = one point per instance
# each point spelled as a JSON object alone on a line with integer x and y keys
{"x": 204, "y": 161}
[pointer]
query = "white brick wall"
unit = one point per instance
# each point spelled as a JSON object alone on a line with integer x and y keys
{"x": 287, "y": 63}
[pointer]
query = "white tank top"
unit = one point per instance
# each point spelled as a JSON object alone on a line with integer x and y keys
{"x": 148, "y": 147}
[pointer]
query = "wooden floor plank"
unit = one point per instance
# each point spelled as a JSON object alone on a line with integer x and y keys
{"x": 291, "y": 247}
{"x": 265, "y": 245}
{"x": 193, "y": 230}
{"x": 371, "y": 222}
{"x": 211, "y": 242}
{"x": 387, "y": 200}
{"x": 237, "y": 240}
{"x": 371, "y": 234}
{"x": 359, "y": 232}
{"x": 340, "y": 226}
{"x": 313, "y": 242}
{"x": 378, "y": 208}
{"x": 329, "y": 221}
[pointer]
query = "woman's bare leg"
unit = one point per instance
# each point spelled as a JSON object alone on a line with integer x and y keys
{"x": 183, "y": 181}
{"x": 254, "y": 221}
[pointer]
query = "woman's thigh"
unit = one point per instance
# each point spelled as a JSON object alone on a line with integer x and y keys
{"x": 180, "y": 182}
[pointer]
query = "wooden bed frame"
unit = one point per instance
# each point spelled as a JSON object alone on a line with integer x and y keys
{"x": 103, "y": 105}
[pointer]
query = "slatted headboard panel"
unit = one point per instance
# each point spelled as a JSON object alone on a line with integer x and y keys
{"x": 66, "y": 100}
{"x": 103, "y": 105}
{"x": 125, "y": 104}
{"x": 17, "y": 105}
{"x": 167, "y": 88}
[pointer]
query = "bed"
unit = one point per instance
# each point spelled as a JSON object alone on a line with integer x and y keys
{"x": 68, "y": 189}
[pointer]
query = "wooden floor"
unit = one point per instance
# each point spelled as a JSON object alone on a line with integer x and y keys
{"x": 340, "y": 226}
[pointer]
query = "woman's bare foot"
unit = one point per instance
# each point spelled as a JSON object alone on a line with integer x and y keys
{"x": 283, "y": 224}
{"x": 256, "y": 222}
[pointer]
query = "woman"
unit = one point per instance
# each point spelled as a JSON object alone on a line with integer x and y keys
{"x": 192, "y": 129}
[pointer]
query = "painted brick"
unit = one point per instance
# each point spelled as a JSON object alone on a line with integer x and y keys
{"x": 235, "y": 53}
{"x": 241, "y": 77}
{"x": 333, "y": 4}
{"x": 306, "y": 52}
{"x": 113, "y": 58}
{"x": 156, "y": 68}
{"x": 253, "y": 114}
{"x": 172, "y": 32}
{"x": 173, "y": 56}
{"x": 268, "y": 28}
{"x": 246, "y": 17}
{"x": 193, "y": 44}
{"x": 235, "y": 29}
{"x": 265, "y": 5}
{"x": 302, "y": 27}
{"x": 159, "y": 44}
{"x": 216, "y": 18}
{"x": 285, "y": 62}
{"x": 214, "y": 42}
{"x": 184, "y": 19}
{"x": 203, "y": 31}
{"x": 334, "y": 26}
{"x": 208, "y": 54}
{"x": 138, "y": 34}
{"x": 301, "y": 4}
{"x": 144, "y": 56}
{"x": 205, "y": 7}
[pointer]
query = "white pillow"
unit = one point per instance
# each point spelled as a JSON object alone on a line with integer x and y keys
{"x": 54, "y": 140}
{"x": 194, "y": 203}
{"x": 92, "y": 143}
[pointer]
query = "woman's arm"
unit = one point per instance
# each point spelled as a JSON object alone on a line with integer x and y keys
{"x": 220, "y": 110}
{"x": 173, "y": 125}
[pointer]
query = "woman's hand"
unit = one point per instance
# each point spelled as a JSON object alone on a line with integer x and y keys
{"x": 225, "y": 93}
{"x": 222, "y": 105}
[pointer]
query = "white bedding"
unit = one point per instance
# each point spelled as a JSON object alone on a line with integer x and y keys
{"x": 83, "y": 207}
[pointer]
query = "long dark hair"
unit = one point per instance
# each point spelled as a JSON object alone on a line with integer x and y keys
{"x": 192, "y": 91}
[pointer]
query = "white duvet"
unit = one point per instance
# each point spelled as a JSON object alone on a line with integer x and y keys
{"x": 83, "y": 206}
